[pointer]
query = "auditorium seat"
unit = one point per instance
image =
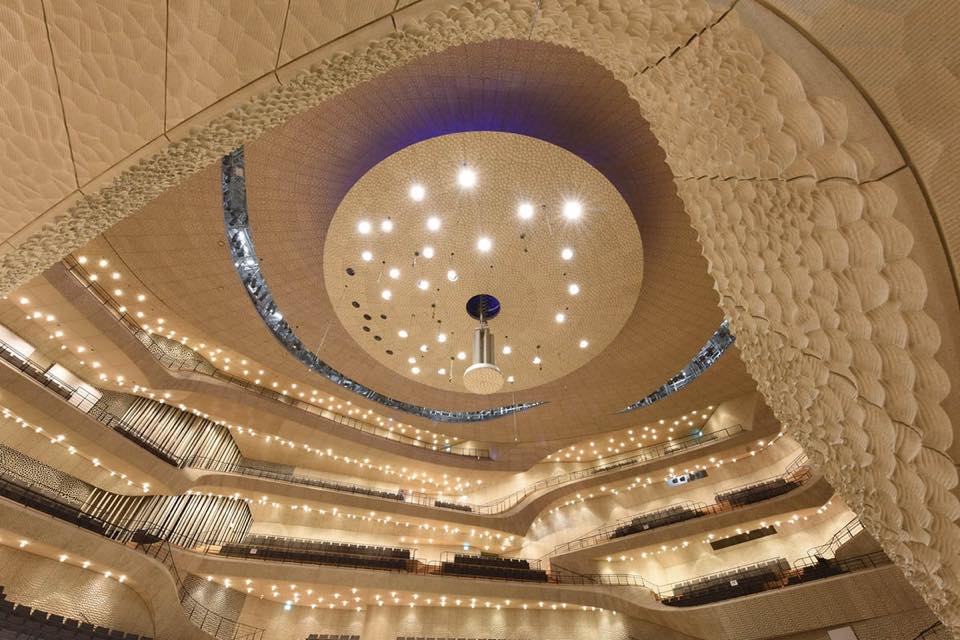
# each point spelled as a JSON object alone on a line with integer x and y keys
{"x": 19, "y": 622}
{"x": 494, "y": 567}
{"x": 319, "y": 552}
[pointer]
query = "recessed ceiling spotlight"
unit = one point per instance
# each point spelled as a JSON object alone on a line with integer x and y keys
{"x": 537, "y": 360}
{"x": 441, "y": 338}
{"x": 386, "y": 226}
{"x": 424, "y": 348}
{"x": 452, "y": 275}
{"x": 572, "y": 210}
{"x": 566, "y": 253}
{"x": 584, "y": 344}
{"x": 423, "y": 285}
{"x": 507, "y": 350}
{"x": 428, "y": 251}
{"x": 560, "y": 318}
{"x": 441, "y": 371}
{"x": 510, "y": 379}
{"x": 394, "y": 273}
{"x": 417, "y": 192}
{"x": 385, "y": 294}
{"x": 467, "y": 178}
{"x": 484, "y": 244}
{"x": 366, "y": 255}
{"x": 412, "y": 360}
{"x": 525, "y": 210}
{"x": 462, "y": 356}
{"x": 573, "y": 289}
{"x": 433, "y": 223}
{"x": 363, "y": 227}
{"x": 415, "y": 370}
{"x": 403, "y": 333}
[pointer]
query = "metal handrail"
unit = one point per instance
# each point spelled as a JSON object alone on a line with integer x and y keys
{"x": 660, "y": 450}
{"x": 205, "y": 368}
{"x": 696, "y": 510}
{"x": 844, "y": 534}
{"x": 88, "y": 404}
{"x": 217, "y": 625}
{"x": 801, "y": 571}
{"x": 85, "y": 402}
{"x": 501, "y": 504}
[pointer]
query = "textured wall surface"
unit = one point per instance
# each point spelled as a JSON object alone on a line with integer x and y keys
{"x": 81, "y": 594}
{"x": 77, "y": 490}
{"x": 813, "y": 268}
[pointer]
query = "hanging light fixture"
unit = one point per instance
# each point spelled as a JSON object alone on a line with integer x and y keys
{"x": 483, "y": 376}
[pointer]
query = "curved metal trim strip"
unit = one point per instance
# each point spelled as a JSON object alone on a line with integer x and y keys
{"x": 235, "y": 216}
{"x": 718, "y": 343}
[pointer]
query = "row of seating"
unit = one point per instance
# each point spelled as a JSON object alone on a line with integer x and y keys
{"x": 729, "y": 584}
{"x": 302, "y": 544}
{"x": 493, "y": 567}
{"x": 459, "y": 506}
{"x": 654, "y": 519}
{"x": 492, "y": 561}
{"x": 332, "y": 636}
{"x": 314, "y": 557}
{"x": 19, "y": 622}
{"x": 757, "y": 492}
{"x": 422, "y": 638}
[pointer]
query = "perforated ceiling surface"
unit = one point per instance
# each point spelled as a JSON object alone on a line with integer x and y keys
{"x": 298, "y": 174}
{"x": 537, "y": 225}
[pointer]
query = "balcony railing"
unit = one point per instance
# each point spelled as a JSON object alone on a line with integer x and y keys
{"x": 662, "y": 450}
{"x": 205, "y": 368}
{"x": 87, "y": 403}
{"x": 638, "y": 523}
{"x": 53, "y": 501}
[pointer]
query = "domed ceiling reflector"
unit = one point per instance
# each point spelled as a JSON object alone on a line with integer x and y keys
{"x": 483, "y": 376}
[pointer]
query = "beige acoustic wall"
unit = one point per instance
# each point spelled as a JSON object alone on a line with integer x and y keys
{"x": 386, "y": 623}
{"x": 899, "y": 626}
{"x": 71, "y": 591}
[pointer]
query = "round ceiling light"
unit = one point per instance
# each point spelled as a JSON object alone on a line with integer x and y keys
{"x": 385, "y": 294}
{"x": 566, "y": 253}
{"x": 462, "y": 356}
{"x": 572, "y": 210}
{"x": 573, "y": 289}
{"x": 525, "y": 211}
{"x": 506, "y": 350}
{"x": 560, "y": 318}
{"x": 367, "y": 256}
{"x": 417, "y": 192}
{"x": 484, "y": 244}
{"x": 428, "y": 251}
{"x": 394, "y": 273}
{"x": 584, "y": 344}
{"x": 433, "y": 223}
{"x": 467, "y": 178}
{"x": 403, "y": 333}
{"x": 423, "y": 285}
{"x": 363, "y": 227}
{"x": 452, "y": 275}
{"x": 441, "y": 338}
{"x": 386, "y": 226}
